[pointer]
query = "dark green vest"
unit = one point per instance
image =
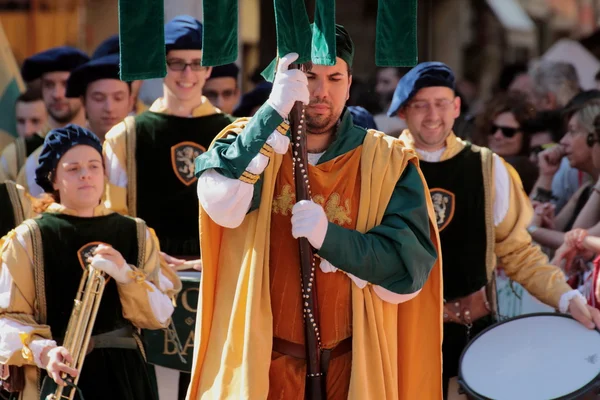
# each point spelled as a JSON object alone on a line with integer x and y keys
{"x": 32, "y": 143}
{"x": 166, "y": 148}
{"x": 457, "y": 192}
{"x": 7, "y": 216}
{"x": 62, "y": 237}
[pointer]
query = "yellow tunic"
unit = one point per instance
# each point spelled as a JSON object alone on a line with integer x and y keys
{"x": 16, "y": 252}
{"x": 10, "y": 166}
{"x": 334, "y": 184}
{"x": 523, "y": 261}
{"x": 396, "y": 349}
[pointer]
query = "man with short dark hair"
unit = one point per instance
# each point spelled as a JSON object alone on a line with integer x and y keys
{"x": 222, "y": 88}
{"x": 377, "y": 278}
{"x": 106, "y": 98}
{"x": 31, "y": 114}
{"x": 53, "y": 67}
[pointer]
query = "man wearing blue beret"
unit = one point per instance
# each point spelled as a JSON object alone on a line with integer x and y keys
{"x": 482, "y": 214}
{"x": 53, "y": 67}
{"x": 107, "y": 99}
{"x": 109, "y": 46}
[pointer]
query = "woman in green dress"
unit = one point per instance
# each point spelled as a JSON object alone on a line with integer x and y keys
{"x": 43, "y": 261}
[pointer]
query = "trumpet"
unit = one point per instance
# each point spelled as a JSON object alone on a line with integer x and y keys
{"x": 80, "y": 326}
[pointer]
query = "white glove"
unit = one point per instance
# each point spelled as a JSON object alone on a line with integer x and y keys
{"x": 309, "y": 221}
{"x": 327, "y": 267}
{"x": 289, "y": 87}
{"x": 119, "y": 274}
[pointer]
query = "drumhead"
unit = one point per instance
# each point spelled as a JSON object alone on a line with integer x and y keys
{"x": 535, "y": 357}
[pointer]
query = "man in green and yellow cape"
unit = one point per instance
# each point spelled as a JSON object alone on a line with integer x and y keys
{"x": 371, "y": 222}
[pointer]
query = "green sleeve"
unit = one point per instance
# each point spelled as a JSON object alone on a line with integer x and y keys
{"x": 398, "y": 254}
{"x": 231, "y": 155}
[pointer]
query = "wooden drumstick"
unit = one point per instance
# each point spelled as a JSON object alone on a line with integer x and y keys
{"x": 582, "y": 306}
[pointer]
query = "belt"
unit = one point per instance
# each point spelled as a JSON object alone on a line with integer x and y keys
{"x": 118, "y": 339}
{"x": 468, "y": 309}
{"x": 299, "y": 351}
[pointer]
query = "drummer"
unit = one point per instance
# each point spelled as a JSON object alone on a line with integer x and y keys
{"x": 482, "y": 215}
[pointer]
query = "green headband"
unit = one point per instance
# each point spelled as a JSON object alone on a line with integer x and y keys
{"x": 320, "y": 53}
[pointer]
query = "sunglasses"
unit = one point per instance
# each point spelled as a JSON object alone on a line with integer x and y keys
{"x": 591, "y": 139}
{"x": 506, "y": 131}
{"x": 180, "y": 65}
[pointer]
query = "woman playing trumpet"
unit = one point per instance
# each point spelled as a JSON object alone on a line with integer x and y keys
{"x": 43, "y": 261}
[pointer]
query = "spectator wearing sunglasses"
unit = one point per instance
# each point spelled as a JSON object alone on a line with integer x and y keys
{"x": 499, "y": 128}
{"x": 222, "y": 88}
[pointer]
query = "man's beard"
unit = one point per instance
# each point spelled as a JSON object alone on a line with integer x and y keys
{"x": 66, "y": 117}
{"x": 320, "y": 123}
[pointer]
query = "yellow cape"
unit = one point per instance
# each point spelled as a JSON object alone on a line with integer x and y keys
{"x": 396, "y": 351}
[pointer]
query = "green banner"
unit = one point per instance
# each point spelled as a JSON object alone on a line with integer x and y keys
{"x": 174, "y": 347}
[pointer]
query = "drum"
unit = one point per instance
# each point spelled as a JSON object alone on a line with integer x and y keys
{"x": 532, "y": 357}
{"x": 173, "y": 347}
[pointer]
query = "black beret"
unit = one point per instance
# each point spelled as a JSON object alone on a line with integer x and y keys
{"x": 254, "y": 98}
{"x": 183, "y": 33}
{"x": 64, "y": 58}
{"x": 227, "y": 70}
{"x": 56, "y": 144}
{"x": 106, "y": 67}
{"x": 108, "y": 46}
{"x": 427, "y": 74}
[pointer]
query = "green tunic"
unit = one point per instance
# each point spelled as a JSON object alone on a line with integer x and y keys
{"x": 397, "y": 255}
{"x": 108, "y": 373}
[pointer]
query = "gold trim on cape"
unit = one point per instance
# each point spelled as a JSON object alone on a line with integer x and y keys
{"x": 15, "y": 200}
{"x": 131, "y": 146}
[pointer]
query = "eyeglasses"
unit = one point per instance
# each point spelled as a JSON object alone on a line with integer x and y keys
{"x": 226, "y": 94}
{"x": 507, "y": 131}
{"x": 423, "y": 106}
{"x": 591, "y": 139}
{"x": 181, "y": 65}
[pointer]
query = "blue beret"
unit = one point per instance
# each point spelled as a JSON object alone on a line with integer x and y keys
{"x": 106, "y": 67}
{"x": 183, "y": 33}
{"x": 64, "y": 58}
{"x": 223, "y": 71}
{"x": 108, "y": 46}
{"x": 57, "y": 143}
{"x": 254, "y": 98}
{"x": 427, "y": 74}
{"x": 361, "y": 117}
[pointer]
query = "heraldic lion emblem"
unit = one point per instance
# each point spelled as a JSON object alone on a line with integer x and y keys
{"x": 183, "y": 157}
{"x": 443, "y": 206}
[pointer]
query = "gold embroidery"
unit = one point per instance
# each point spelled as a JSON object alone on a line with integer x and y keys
{"x": 282, "y": 204}
{"x": 334, "y": 210}
{"x": 337, "y": 213}
{"x": 26, "y": 352}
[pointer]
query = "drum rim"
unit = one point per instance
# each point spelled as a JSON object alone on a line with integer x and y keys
{"x": 571, "y": 396}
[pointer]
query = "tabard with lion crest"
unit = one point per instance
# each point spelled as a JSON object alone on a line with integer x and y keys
{"x": 458, "y": 195}
{"x": 158, "y": 150}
